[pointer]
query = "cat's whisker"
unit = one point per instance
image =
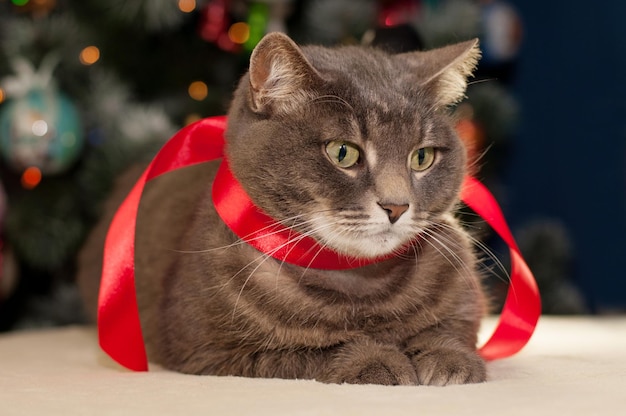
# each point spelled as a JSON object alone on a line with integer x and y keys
{"x": 234, "y": 276}
{"x": 266, "y": 256}
{"x": 248, "y": 238}
{"x": 322, "y": 247}
{"x": 290, "y": 223}
{"x": 243, "y": 286}
{"x": 308, "y": 234}
{"x": 410, "y": 251}
{"x": 481, "y": 81}
{"x": 474, "y": 166}
{"x": 260, "y": 259}
{"x": 490, "y": 254}
{"x": 442, "y": 248}
{"x": 449, "y": 254}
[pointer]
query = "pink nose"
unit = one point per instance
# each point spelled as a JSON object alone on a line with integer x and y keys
{"x": 394, "y": 211}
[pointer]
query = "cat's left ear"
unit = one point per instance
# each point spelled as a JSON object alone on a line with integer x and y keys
{"x": 281, "y": 77}
{"x": 446, "y": 69}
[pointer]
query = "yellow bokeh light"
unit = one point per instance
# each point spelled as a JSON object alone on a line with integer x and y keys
{"x": 198, "y": 90}
{"x": 2, "y": 95}
{"x": 90, "y": 55}
{"x": 239, "y": 33}
{"x": 187, "y": 6}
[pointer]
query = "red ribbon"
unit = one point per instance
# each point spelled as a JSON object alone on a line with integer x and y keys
{"x": 119, "y": 327}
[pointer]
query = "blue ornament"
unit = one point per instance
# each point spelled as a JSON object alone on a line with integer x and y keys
{"x": 39, "y": 126}
{"x": 40, "y": 129}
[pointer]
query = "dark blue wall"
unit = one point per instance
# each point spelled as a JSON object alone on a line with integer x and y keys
{"x": 569, "y": 157}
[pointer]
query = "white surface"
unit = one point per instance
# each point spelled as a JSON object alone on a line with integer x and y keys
{"x": 572, "y": 366}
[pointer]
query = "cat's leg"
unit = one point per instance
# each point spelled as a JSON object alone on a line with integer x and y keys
{"x": 440, "y": 358}
{"x": 368, "y": 362}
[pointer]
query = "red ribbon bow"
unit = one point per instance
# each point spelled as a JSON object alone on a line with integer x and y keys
{"x": 119, "y": 327}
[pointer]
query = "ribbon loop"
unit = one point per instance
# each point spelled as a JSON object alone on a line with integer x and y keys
{"x": 119, "y": 326}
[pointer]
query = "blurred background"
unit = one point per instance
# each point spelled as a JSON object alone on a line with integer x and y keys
{"x": 88, "y": 87}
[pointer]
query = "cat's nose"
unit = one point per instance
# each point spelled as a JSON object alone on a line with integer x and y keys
{"x": 394, "y": 211}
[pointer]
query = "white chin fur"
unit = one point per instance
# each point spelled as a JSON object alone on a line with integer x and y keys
{"x": 370, "y": 246}
{"x": 361, "y": 244}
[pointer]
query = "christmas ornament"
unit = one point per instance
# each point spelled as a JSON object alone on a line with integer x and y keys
{"x": 39, "y": 126}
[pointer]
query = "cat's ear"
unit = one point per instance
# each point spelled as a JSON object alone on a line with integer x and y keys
{"x": 280, "y": 75}
{"x": 446, "y": 69}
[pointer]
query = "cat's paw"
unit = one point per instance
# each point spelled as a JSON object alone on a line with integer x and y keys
{"x": 388, "y": 374}
{"x": 372, "y": 364}
{"x": 443, "y": 366}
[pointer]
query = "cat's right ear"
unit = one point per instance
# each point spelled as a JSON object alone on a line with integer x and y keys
{"x": 281, "y": 78}
{"x": 446, "y": 69}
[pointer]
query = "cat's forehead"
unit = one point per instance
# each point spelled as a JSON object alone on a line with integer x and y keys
{"x": 383, "y": 89}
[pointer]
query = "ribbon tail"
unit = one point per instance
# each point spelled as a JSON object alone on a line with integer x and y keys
{"x": 119, "y": 328}
{"x": 522, "y": 306}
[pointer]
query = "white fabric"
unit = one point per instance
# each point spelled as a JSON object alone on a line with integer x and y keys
{"x": 572, "y": 366}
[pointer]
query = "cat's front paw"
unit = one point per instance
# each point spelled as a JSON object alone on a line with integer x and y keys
{"x": 372, "y": 364}
{"x": 443, "y": 366}
{"x": 388, "y": 374}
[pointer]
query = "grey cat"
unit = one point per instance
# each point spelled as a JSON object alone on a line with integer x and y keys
{"x": 356, "y": 148}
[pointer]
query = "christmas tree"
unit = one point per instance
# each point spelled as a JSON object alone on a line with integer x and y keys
{"x": 89, "y": 87}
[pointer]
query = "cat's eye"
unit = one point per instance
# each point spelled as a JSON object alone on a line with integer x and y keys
{"x": 343, "y": 154}
{"x": 422, "y": 159}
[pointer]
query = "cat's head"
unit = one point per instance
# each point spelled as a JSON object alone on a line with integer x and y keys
{"x": 351, "y": 145}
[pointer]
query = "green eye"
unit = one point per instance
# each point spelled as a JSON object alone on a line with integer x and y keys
{"x": 422, "y": 159}
{"x": 343, "y": 154}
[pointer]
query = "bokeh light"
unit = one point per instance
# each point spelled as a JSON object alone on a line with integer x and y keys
{"x": 90, "y": 55}
{"x": 20, "y": 2}
{"x": 187, "y": 6}
{"x": 198, "y": 90}
{"x": 239, "y": 33}
{"x": 39, "y": 128}
{"x": 2, "y": 95}
{"x": 31, "y": 177}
